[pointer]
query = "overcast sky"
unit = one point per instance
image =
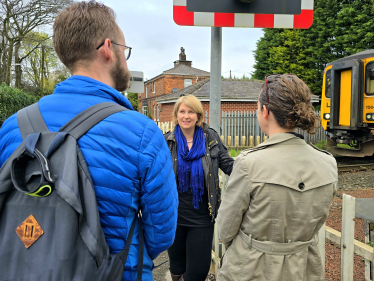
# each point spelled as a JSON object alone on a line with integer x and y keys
{"x": 156, "y": 40}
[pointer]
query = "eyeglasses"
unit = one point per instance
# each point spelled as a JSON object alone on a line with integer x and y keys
{"x": 267, "y": 82}
{"x": 127, "y": 49}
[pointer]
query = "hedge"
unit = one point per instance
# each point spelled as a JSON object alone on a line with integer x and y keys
{"x": 12, "y": 100}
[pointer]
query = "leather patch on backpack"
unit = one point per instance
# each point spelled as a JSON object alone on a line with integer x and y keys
{"x": 29, "y": 231}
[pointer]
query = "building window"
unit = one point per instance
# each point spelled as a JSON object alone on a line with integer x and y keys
{"x": 146, "y": 91}
{"x": 187, "y": 82}
{"x": 154, "y": 113}
{"x": 154, "y": 87}
{"x": 145, "y": 110}
{"x": 158, "y": 113}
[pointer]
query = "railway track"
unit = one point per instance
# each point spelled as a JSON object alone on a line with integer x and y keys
{"x": 355, "y": 167}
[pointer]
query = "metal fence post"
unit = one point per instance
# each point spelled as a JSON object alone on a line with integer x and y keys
{"x": 257, "y": 126}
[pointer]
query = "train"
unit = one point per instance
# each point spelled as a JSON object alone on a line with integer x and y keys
{"x": 347, "y": 105}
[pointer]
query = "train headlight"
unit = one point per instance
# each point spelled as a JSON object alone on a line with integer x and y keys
{"x": 370, "y": 117}
{"x": 326, "y": 116}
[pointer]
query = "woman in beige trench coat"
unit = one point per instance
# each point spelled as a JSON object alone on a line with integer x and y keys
{"x": 278, "y": 194}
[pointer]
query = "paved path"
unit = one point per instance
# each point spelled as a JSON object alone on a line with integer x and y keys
{"x": 162, "y": 273}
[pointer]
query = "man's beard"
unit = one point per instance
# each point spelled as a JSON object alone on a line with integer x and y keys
{"x": 120, "y": 76}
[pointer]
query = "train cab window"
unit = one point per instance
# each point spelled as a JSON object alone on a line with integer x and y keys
{"x": 370, "y": 79}
{"x": 328, "y": 84}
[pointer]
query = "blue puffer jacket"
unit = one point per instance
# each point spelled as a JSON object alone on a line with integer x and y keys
{"x": 129, "y": 162}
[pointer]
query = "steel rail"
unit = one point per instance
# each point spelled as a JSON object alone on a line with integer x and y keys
{"x": 356, "y": 167}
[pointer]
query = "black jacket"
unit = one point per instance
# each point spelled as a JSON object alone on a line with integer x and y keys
{"x": 216, "y": 157}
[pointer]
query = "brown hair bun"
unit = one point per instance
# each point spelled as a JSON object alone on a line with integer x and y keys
{"x": 290, "y": 103}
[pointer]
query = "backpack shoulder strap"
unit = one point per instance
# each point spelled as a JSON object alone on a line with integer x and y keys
{"x": 31, "y": 121}
{"x": 88, "y": 118}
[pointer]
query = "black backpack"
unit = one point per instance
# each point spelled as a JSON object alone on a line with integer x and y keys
{"x": 49, "y": 219}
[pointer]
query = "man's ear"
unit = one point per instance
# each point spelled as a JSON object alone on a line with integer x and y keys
{"x": 105, "y": 50}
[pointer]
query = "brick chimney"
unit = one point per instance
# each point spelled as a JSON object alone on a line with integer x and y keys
{"x": 183, "y": 59}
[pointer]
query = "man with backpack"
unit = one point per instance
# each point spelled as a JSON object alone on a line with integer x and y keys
{"x": 123, "y": 158}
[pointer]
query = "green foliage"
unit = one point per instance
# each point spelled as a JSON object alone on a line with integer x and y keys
{"x": 133, "y": 98}
{"x": 264, "y": 64}
{"x": 41, "y": 62}
{"x": 12, "y": 100}
{"x": 340, "y": 28}
{"x": 149, "y": 114}
{"x": 232, "y": 152}
{"x": 322, "y": 144}
{"x": 346, "y": 146}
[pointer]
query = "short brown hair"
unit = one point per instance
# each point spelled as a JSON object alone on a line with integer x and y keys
{"x": 80, "y": 28}
{"x": 290, "y": 101}
{"x": 192, "y": 102}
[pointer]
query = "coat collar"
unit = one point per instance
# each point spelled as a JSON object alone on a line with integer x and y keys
{"x": 278, "y": 138}
{"x": 83, "y": 85}
{"x": 171, "y": 136}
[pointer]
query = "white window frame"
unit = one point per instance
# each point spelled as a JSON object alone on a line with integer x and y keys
{"x": 146, "y": 91}
{"x": 145, "y": 110}
{"x": 154, "y": 87}
{"x": 189, "y": 80}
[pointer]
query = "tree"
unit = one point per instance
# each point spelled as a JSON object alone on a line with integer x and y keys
{"x": 264, "y": 65}
{"x": 133, "y": 98}
{"x": 293, "y": 57}
{"x": 18, "y": 19}
{"x": 40, "y": 59}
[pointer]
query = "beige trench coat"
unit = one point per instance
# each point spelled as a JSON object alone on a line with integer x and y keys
{"x": 277, "y": 199}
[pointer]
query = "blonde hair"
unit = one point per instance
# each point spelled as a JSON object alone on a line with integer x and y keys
{"x": 192, "y": 102}
{"x": 80, "y": 28}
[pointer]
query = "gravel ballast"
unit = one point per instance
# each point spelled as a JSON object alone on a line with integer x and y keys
{"x": 358, "y": 184}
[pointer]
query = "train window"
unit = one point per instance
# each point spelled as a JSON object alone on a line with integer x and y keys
{"x": 328, "y": 84}
{"x": 370, "y": 79}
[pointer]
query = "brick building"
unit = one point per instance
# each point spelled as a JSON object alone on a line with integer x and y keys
{"x": 180, "y": 76}
{"x": 236, "y": 95}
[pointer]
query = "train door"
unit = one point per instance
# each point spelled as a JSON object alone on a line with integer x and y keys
{"x": 346, "y": 95}
{"x": 345, "y": 101}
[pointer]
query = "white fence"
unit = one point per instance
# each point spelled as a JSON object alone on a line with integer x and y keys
{"x": 349, "y": 246}
{"x": 245, "y": 124}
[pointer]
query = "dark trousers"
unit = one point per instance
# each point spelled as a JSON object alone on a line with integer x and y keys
{"x": 191, "y": 252}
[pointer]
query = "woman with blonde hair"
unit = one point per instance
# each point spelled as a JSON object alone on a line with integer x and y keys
{"x": 197, "y": 153}
{"x": 279, "y": 193}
